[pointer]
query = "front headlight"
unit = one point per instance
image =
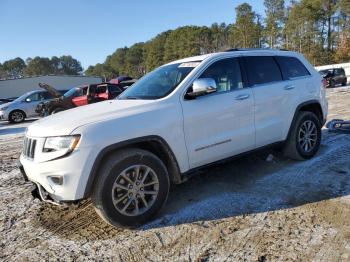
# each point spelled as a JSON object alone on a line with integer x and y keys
{"x": 4, "y": 108}
{"x": 61, "y": 143}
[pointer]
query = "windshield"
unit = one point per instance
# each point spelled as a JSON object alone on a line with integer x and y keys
{"x": 23, "y": 97}
{"x": 160, "y": 82}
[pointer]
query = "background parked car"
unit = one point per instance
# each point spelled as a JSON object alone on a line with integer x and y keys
{"x": 334, "y": 76}
{"x": 82, "y": 95}
{"x": 24, "y": 106}
{"x": 7, "y": 100}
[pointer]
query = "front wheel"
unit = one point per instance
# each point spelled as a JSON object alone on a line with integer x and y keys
{"x": 133, "y": 185}
{"x": 305, "y": 137}
{"x": 17, "y": 116}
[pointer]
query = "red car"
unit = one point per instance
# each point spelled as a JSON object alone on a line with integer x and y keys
{"x": 80, "y": 96}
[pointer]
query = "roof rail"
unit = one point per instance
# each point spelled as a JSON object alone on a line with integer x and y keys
{"x": 253, "y": 49}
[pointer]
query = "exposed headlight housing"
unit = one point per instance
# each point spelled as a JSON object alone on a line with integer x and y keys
{"x": 61, "y": 143}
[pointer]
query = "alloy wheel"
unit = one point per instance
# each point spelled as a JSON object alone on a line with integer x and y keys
{"x": 17, "y": 116}
{"x": 307, "y": 137}
{"x": 135, "y": 190}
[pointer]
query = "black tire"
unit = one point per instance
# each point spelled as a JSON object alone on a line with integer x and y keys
{"x": 55, "y": 111}
{"x": 292, "y": 148}
{"x": 344, "y": 83}
{"x": 17, "y": 116}
{"x": 111, "y": 171}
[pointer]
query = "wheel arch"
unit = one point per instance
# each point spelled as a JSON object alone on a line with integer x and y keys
{"x": 153, "y": 144}
{"x": 17, "y": 109}
{"x": 313, "y": 106}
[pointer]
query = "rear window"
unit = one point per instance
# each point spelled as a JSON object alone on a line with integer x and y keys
{"x": 101, "y": 89}
{"x": 339, "y": 71}
{"x": 291, "y": 67}
{"x": 113, "y": 89}
{"x": 262, "y": 70}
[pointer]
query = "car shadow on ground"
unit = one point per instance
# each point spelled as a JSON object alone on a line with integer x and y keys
{"x": 252, "y": 184}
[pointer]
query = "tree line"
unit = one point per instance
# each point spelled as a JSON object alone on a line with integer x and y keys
{"x": 17, "y": 67}
{"x": 320, "y": 29}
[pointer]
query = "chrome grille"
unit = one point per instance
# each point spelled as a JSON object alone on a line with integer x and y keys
{"x": 29, "y": 147}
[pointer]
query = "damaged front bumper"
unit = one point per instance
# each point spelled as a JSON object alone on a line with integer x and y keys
{"x": 39, "y": 192}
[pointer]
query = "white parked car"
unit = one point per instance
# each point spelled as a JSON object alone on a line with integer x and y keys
{"x": 125, "y": 153}
{"x": 24, "y": 106}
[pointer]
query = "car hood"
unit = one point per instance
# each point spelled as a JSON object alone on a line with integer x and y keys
{"x": 6, "y": 104}
{"x": 64, "y": 123}
{"x": 52, "y": 91}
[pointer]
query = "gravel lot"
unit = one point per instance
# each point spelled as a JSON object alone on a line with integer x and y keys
{"x": 249, "y": 209}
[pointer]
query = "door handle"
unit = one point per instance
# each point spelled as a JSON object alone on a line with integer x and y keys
{"x": 289, "y": 87}
{"x": 242, "y": 97}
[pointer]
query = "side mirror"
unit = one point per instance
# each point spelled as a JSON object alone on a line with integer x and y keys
{"x": 28, "y": 100}
{"x": 203, "y": 86}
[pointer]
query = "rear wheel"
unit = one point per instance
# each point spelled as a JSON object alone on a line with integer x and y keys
{"x": 17, "y": 116}
{"x": 344, "y": 83}
{"x": 133, "y": 185}
{"x": 305, "y": 137}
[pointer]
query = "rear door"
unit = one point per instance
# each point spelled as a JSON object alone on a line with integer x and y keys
{"x": 220, "y": 124}
{"x": 275, "y": 98}
{"x": 102, "y": 92}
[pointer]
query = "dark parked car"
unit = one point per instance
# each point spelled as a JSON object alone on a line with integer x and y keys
{"x": 335, "y": 76}
{"x": 82, "y": 95}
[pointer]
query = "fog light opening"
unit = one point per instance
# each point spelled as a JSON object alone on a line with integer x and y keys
{"x": 57, "y": 180}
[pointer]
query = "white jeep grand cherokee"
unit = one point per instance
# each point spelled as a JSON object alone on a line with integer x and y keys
{"x": 125, "y": 153}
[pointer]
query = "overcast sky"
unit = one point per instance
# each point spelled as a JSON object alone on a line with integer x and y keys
{"x": 90, "y": 30}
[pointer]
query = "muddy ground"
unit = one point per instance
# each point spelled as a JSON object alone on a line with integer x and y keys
{"x": 249, "y": 209}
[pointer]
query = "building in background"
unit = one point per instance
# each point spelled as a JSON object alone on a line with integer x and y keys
{"x": 19, "y": 86}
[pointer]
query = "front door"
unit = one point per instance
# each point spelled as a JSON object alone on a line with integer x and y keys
{"x": 81, "y": 97}
{"x": 31, "y": 102}
{"x": 221, "y": 124}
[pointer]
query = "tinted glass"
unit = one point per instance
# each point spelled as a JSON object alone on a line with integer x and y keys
{"x": 226, "y": 73}
{"x": 35, "y": 97}
{"x": 101, "y": 89}
{"x": 47, "y": 95}
{"x": 291, "y": 67}
{"x": 114, "y": 90}
{"x": 262, "y": 70}
{"x": 339, "y": 71}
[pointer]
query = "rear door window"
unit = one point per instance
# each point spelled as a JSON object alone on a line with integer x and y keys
{"x": 47, "y": 95}
{"x": 291, "y": 67}
{"x": 101, "y": 89}
{"x": 113, "y": 89}
{"x": 262, "y": 70}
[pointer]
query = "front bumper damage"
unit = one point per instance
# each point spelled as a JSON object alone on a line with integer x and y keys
{"x": 39, "y": 192}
